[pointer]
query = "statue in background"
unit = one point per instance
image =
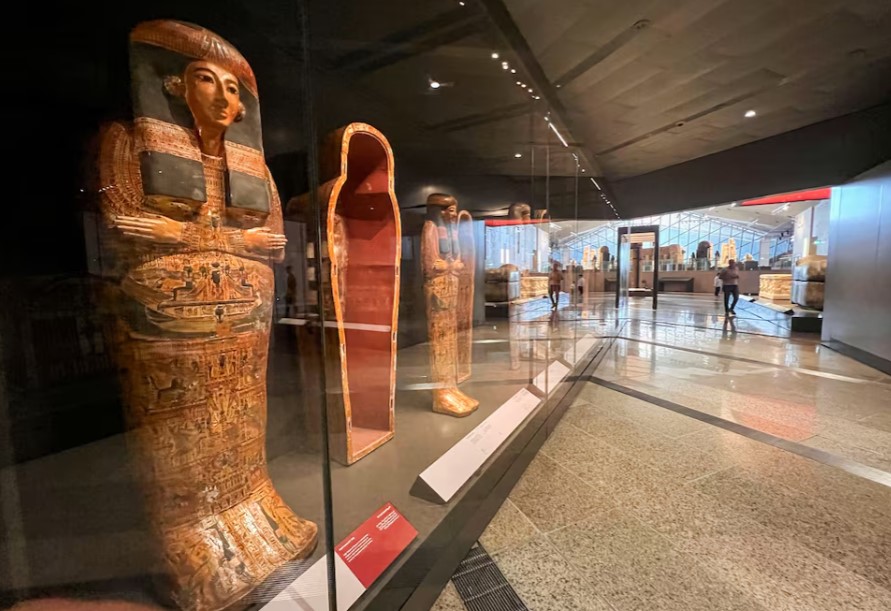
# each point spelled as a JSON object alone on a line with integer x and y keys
{"x": 194, "y": 226}
{"x": 519, "y": 211}
{"x": 440, "y": 255}
{"x": 728, "y": 251}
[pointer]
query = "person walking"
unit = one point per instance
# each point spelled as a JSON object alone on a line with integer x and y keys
{"x": 581, "y": 286}
{"x": 718, "y": 284}
{"x": 555, "y": 279}
{"x": 729, "y": 277}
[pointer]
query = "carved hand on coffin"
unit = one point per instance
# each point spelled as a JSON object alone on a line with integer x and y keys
{"x": 262, "y": 240}
{"x": 458, "y": 265}
{"x": 152, "y": 228}
{"x": 440, "y": 266}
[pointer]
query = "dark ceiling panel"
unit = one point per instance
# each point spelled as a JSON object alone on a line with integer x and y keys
{"x": 826, "y": 153}
{"x": 677, "y": 88}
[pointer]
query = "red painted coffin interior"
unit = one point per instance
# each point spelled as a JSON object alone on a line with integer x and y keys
{"x": 370, "y": 227}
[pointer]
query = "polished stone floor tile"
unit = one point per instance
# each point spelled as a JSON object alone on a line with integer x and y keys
{"x": 862, "y": 455}
{"x": 545, "y": 581}
{"x": 780, "y": 573}
{"x": 634, "y": 567}
{"x": 880, "y": 421}
{"x": 552, "y": 497}
{"x": 449, "y": 600}
{"x": 863, "y": 547}
{"x": 654, "y": 510}
{"x": 653, "y": 417}
{"x": 570, "y": 446}
{"x": 509, "y": 527}
{"x": 607, "y": 427}
{"x": 860, "y": 498}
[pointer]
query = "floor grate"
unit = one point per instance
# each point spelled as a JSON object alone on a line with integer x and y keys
{"x": 482, "y": 586}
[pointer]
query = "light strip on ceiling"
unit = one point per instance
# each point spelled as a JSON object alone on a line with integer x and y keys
{"x": 559, "y": 135}
{"x": 596, "y": 185}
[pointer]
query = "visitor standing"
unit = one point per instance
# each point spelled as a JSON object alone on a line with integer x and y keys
{"x": 555, "y": 279}
{"x": 729, "y": 277}
{"x": 718, "y": 284}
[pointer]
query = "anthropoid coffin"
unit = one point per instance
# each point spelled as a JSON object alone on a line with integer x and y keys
{"x": 777, "y": 287}
{"x": 360, "y": 251}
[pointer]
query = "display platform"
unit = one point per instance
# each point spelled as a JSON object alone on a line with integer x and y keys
{"x": 424, "y": 439}
{"x": 90, "y": 492}
{"x": 793, "y": 316}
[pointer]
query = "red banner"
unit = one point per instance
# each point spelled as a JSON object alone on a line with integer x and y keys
{"x": 782, "y": 198}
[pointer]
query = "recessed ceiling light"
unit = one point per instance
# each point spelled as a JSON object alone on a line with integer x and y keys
{"x": 536, "y": 97}
{"x": 519, "y": 83}
{"x": 461, "y": 3}
{"x": 530, "y": 90}
{"x": 513, "y": 70}
{"x": 750, "y": 114}
{"x": 435, "y": 84}
{"x": 495, "y": 55}
{"x": 518, "y": 155}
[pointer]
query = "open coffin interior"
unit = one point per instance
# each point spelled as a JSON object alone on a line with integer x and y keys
{"x": 368, "y": 224}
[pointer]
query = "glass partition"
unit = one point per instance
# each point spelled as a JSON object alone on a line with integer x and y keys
{"x": 302, "y": 300}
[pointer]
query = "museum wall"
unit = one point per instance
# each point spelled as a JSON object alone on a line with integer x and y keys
{"x": 858, "y": 291}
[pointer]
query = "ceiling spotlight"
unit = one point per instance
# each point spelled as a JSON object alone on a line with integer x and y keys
{"x": 519, "y": 83}
{"x": 518, "y": 155}
{"x": 583, "y": 170}
{"x": 505, "y": 65}
{"x": 461, "y": 3}
{"x": 435, "y": 84}
{"x": 536, "y": 97}
{"x": 513, "y": 70}
{"x": 529, "y": 90}
{"x": 750, "y": 114}
{"x": 495, "y": 55}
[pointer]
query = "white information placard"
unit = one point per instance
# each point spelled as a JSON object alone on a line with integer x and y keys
{"x": 555, "y": 374}
{"x": 462, "y": 460}
{"x": 309, "y": 592}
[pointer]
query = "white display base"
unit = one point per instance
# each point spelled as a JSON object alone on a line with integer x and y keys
{"x": 548, "y": 379}
{"x": 574, "y": 355}
{"x": 331, "y": 324}
{"x": 309, "y": 592}
{"x": 452, "y": 470}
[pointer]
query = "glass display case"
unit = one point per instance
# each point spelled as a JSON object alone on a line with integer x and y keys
{"x": 282, "y": 317}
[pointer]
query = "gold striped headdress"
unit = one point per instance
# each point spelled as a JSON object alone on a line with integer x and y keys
{"x": 169, "y": 152}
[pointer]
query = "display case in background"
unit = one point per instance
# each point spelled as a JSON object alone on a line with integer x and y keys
{"x": 289, "y": 364}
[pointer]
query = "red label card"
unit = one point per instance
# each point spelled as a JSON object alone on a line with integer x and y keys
{"x": 372, "y": 547}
